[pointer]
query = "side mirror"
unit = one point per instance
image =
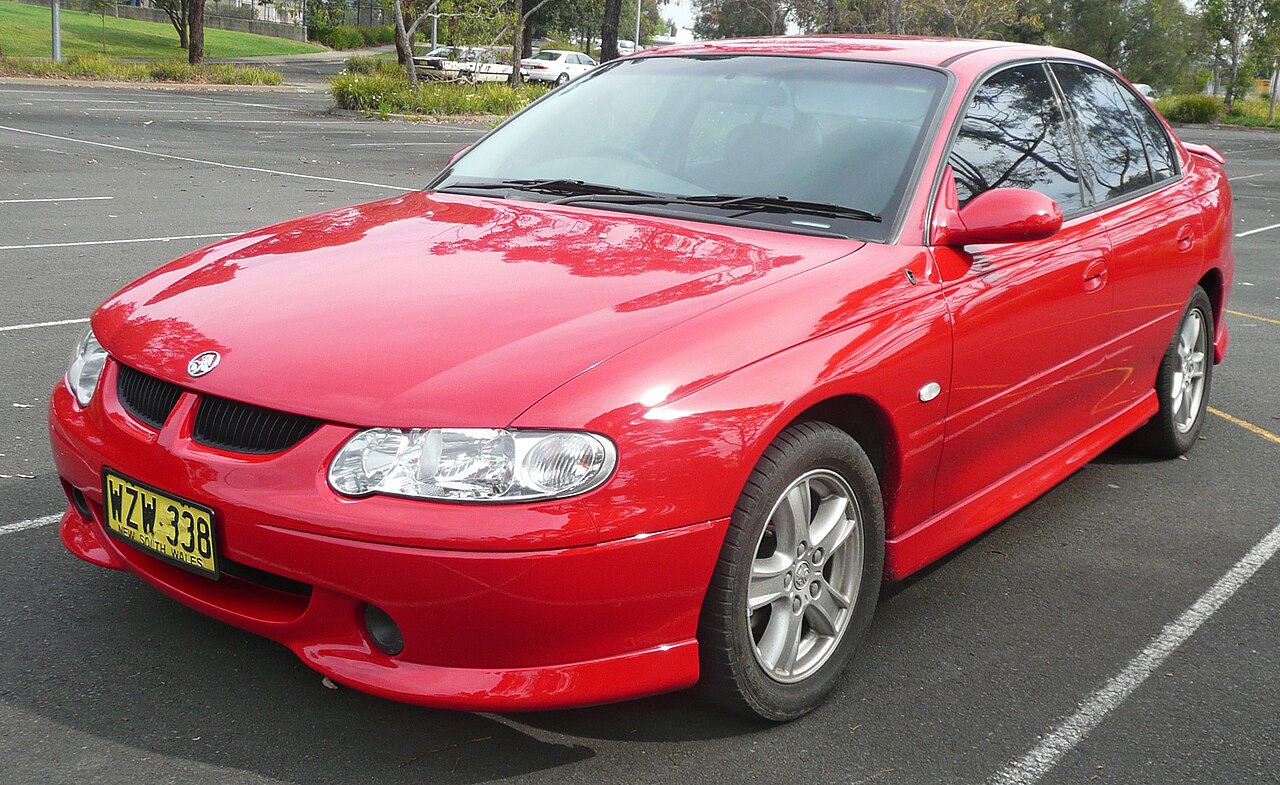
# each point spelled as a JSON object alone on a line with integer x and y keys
{"x": 458, "y": 155}
{"x": 1004, "y": 215}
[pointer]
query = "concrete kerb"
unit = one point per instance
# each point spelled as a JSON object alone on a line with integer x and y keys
{"x": 481, "y": 120}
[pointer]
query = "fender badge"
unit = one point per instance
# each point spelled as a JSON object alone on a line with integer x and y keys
{"x": 203, "y": 363}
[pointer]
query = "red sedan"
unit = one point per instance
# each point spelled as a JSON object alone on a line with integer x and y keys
{"x": 657, "y": 383}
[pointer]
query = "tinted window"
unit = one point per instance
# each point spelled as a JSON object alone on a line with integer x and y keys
{"x": 1159, "y": 150}
{"x": 1015, "y": 136}
{"x": 1108, "y": 133}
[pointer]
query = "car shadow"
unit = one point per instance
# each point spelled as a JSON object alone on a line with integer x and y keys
{"x": 107, "y": 656}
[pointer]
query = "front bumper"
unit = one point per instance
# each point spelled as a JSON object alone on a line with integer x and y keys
{"x": 491, "y": 629}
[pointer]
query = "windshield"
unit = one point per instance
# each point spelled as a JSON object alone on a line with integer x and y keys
{"x": 822, "y": 132}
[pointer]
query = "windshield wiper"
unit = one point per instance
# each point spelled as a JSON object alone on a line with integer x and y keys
{"x": 557, "y": 187}
{"x": 746, "y": 204}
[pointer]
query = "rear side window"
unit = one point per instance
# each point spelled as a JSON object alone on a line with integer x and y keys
{"x": 1116, "y": 156}
{"x": 1014, "y": 135}
{"x": 1155, "y": 140}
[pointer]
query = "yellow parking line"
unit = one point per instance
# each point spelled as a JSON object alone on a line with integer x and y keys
{"x": 1248, "y": 426}
{"x": 1251, "y": 316}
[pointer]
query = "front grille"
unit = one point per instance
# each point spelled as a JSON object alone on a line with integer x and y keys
{"x": 145, "y": 397}
{"x": 240, "y": 427}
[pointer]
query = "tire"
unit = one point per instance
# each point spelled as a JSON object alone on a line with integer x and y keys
{"x": 562, "y": 79}
{"x": 777, "y": 655}
{"x": 1183, "y": 382}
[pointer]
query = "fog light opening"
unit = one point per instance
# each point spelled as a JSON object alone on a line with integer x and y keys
{"x": 81, "y": 504}
{"x": 383, "y": 631}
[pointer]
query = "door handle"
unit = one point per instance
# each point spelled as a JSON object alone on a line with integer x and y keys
{"x": 1095, "y": 275}
{"x": 1186, "y": 237}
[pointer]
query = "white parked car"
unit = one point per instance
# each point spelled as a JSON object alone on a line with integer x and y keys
{"x": 460, "y": 63}
{"x": 556, "y": 65}
{"x": 1147, "y": 91}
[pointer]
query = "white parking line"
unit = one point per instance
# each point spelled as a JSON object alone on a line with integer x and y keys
{"x": 1030, "y": 768}
{"x": 202, "y": 161}
{"x": 117, "y": 242}
{"x": 1247, "y": 176}
{"x": 34, "y": 325}
{"x": 402, "y": 144}
{"x": 79, "y": 100}
{"x": 1260, "y": 229}
{"x": 58, "y": 199}
{"x": 34, "y": 523}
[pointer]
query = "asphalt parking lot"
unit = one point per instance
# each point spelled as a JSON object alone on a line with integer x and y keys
{"x": 1121, "y": 629}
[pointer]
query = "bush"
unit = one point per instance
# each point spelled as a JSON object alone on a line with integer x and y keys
{"x": 384, "y": 94}
{"x": 348, "y": 37}
{"x": 172, "y": 71}
{"x": 360, "y": 64}
{"x": 1190, "y": 108}
{"x": 100, "y": 68}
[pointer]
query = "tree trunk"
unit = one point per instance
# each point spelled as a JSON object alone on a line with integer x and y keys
{"x": 893, "y": 14}
{"x": 526, "y": 42}
{"x": 517, "y": 44}
{"x": 404, "y": 44}
{"x": 195, "y": 49}
{"x": 609, "y": 30}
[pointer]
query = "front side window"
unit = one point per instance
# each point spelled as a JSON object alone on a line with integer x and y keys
{"x": 1014, "y": 135}
{"x": 1115, "y": 152}
{"x": 691, "y": 134}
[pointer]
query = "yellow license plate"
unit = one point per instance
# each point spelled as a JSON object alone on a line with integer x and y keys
{"x": 174, "y": 529}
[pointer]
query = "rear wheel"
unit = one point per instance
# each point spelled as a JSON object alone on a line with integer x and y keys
{"x": 1183, "y": 383}
{"x": 562, "y": 79}
{"x": 798, "y": 576}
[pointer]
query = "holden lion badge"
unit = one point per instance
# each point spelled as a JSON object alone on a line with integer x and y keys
{"x": 203, "y": 363}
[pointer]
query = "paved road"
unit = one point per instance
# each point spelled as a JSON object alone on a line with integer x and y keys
{"x": 968, "y": 665}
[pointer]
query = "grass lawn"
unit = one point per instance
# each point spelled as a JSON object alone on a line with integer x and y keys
{"x": 25, "y": 32}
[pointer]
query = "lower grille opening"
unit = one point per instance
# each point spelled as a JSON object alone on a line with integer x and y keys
{"x": 263, "y": 578}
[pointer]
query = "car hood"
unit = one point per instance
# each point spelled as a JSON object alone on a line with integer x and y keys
{"x": 435, "y": 309}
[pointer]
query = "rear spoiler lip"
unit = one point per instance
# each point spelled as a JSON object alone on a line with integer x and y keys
{"x": 1205, "y": 151}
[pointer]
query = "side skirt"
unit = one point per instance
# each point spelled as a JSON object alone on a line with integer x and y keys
{"x": 966, "y": 519}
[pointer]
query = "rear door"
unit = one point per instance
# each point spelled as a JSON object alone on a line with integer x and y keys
{"x": 1151, "y": 218}
{"x": 1029, "y": 318}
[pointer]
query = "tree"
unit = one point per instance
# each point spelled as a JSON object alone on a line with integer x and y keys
{"x": 178, "y": 13}
{"x": 195, "y": 26}
{"x": 1238, "y": 26}
{"x": 609, "y": 30}
{"x": 739, "y": 18}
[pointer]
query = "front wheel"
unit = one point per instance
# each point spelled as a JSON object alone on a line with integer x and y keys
{"x": 1182, "y": 384}
{"x": 798, "y": 576}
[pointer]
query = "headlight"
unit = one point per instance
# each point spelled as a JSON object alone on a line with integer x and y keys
{"x": 86, "y": 368}
{"x": 472, "y": 464}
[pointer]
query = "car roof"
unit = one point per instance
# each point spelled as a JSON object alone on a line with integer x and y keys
{"x": 898, "y": 49}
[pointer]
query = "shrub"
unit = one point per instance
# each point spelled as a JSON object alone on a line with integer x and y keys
{"x": 383, "y": 94}
{"x": 360, "y": 64}
{"x": 172, "y": 71}
{"x": 341, "y": 37}
{"x": 104, "y": 69}
{"x": 376, "y": 36}
{"x": 1190, "y": 108}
